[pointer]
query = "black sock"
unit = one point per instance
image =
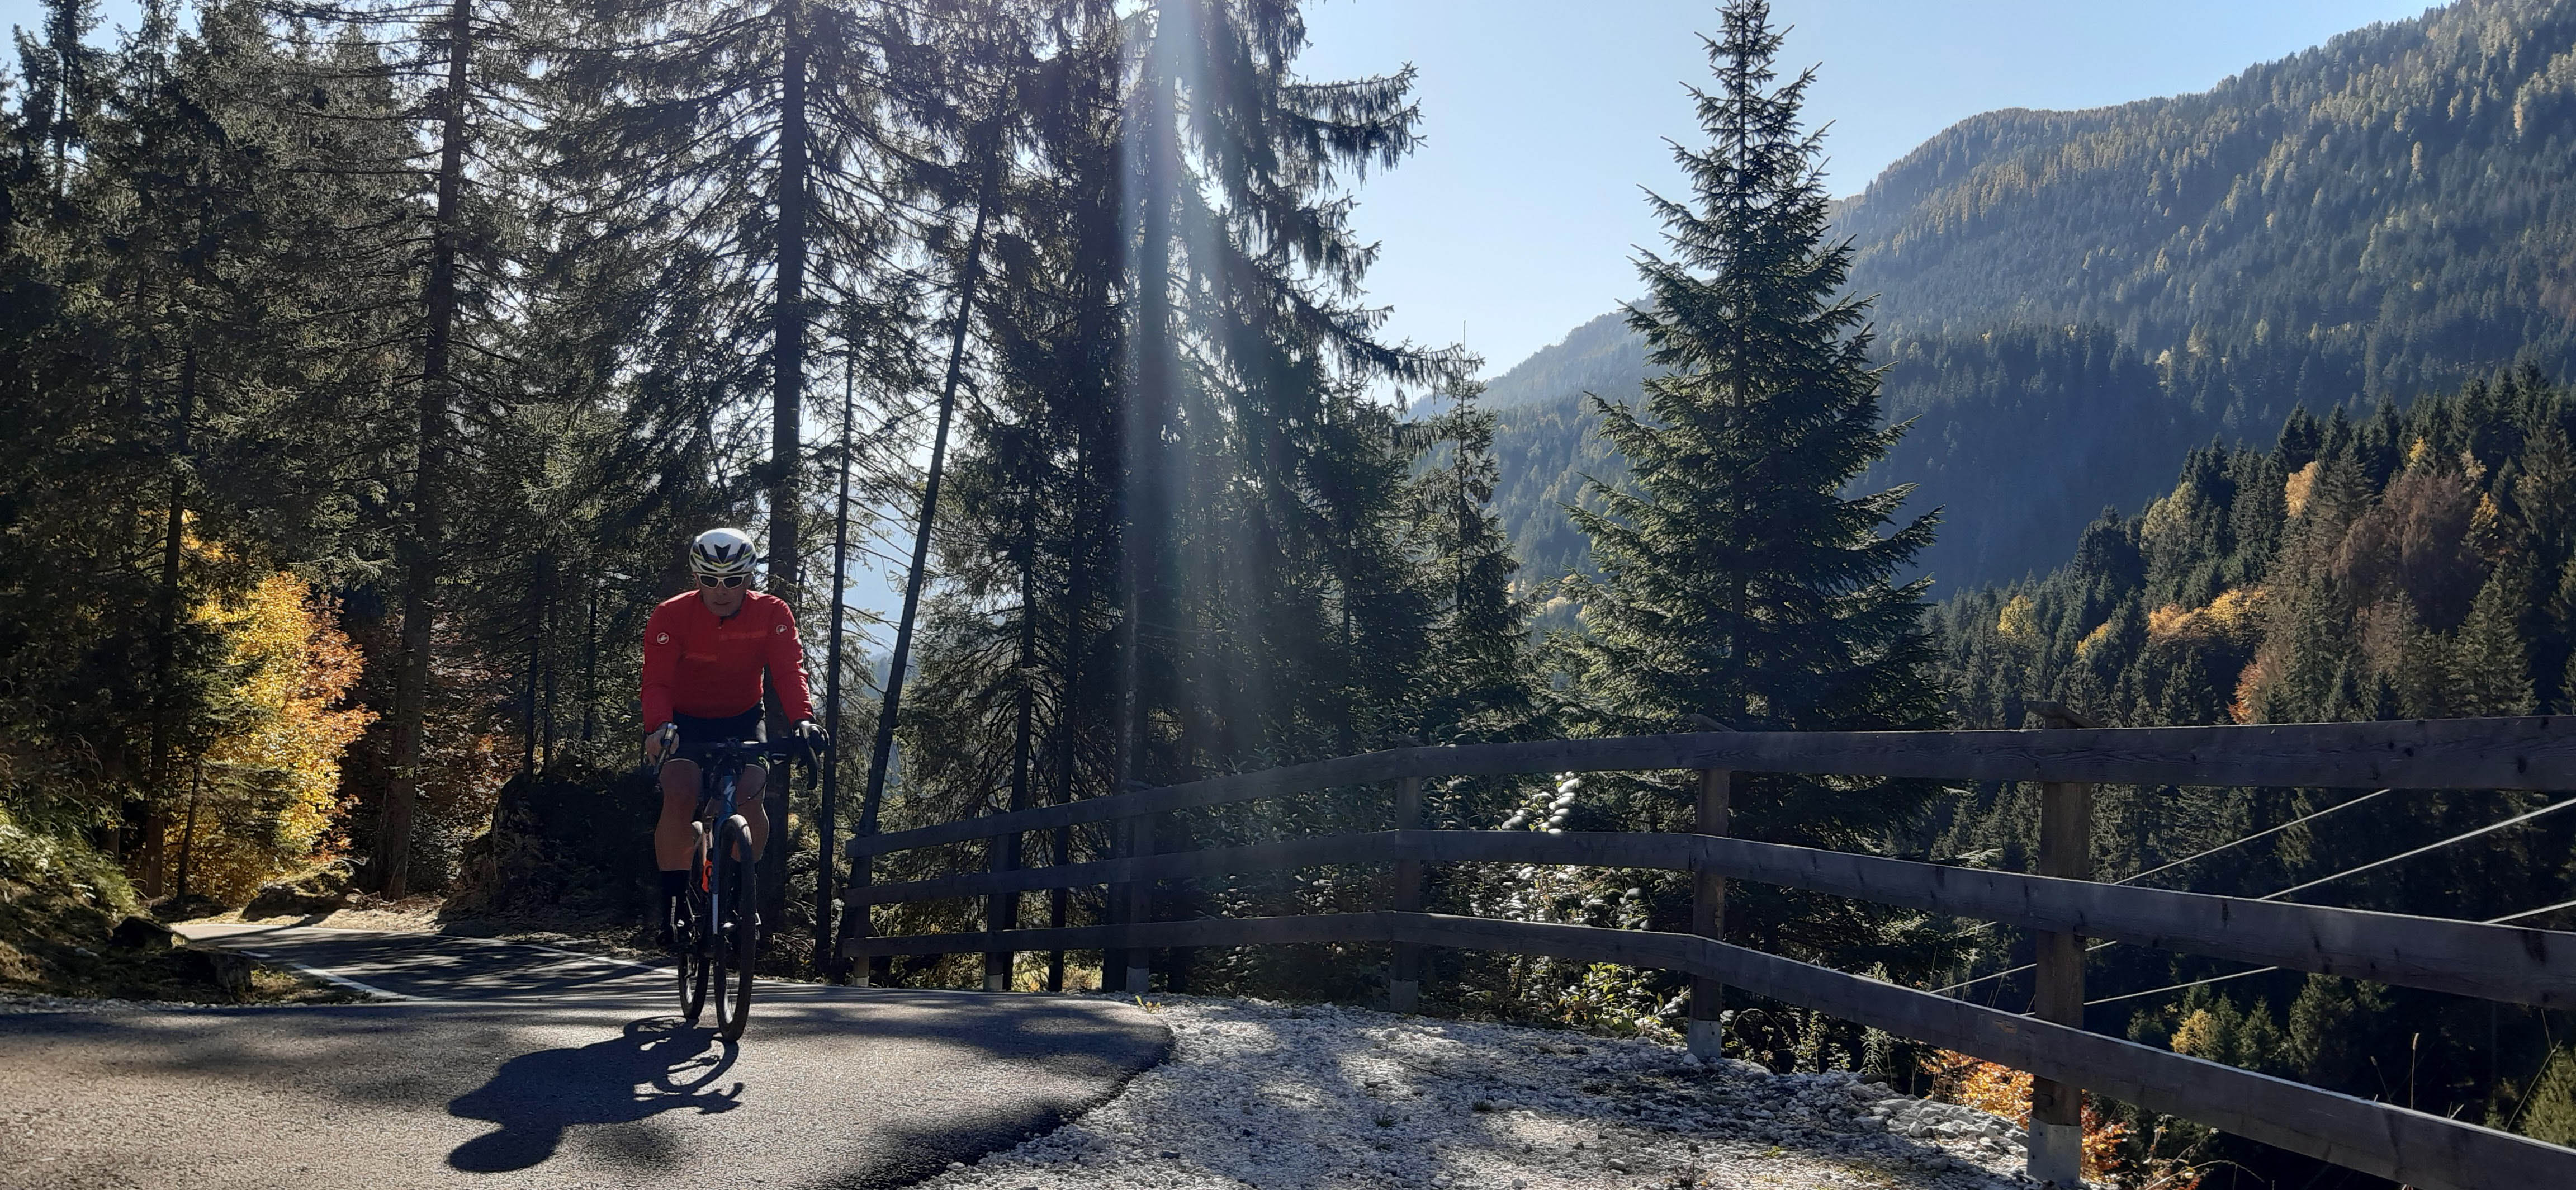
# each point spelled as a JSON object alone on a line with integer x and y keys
{"x": 674, "y": 883}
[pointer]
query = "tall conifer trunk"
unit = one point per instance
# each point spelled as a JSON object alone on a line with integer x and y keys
{"x": 787, "y": 404}
{"x": 826, "y": 959}
{"x": 1077, "y": 604}
{"x": 881, "y": 756}
{"x": 1141, "y": 522}
{"x": 787, "y": 392}
{"x": 1005, "y": 914}
{"x": 166, "y": 642}
{"x": 421, "y": 545}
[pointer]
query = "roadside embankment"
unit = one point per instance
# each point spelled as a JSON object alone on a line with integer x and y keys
{"x": 1275, "y": 1096}
{"x": 70, "y": 927}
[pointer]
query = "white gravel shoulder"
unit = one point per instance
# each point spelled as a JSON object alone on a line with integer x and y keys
{"x": 1319, "y": 1097}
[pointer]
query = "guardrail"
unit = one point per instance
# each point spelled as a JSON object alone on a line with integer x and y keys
{"x": 2506, "y": 963}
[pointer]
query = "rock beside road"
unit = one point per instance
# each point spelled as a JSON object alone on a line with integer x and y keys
{"x": 1274, "y": 1095}
{"x": 310, "y": 895}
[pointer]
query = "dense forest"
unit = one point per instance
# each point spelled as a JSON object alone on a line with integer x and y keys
{"x": 2415, "y": 562}
{"x": 2090, "y": 293}
{"x": 369, "y": 365}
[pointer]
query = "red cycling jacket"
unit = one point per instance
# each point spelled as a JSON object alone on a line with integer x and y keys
{"x": 696, "y": 664}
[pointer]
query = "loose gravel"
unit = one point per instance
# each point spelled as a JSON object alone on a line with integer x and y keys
{"x": 1317, "y": 1097}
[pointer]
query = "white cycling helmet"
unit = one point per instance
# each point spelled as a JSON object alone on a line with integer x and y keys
{"x": 721, "y": 552}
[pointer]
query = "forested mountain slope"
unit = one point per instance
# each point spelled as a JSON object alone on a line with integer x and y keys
{"x": 2374, "y": 217}
{"x": 2396, "y": 565}
{"x": 2389, "y": 207}
{"x": 1602, "y": 355}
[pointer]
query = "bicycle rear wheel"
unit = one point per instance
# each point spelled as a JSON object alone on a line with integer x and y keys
{"x": 689, "y": 932}
{"x": 736, "y": 939}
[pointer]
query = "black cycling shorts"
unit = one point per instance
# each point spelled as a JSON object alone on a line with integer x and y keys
{"x": 697, "y": 733}
{"x": 723, "y": 730}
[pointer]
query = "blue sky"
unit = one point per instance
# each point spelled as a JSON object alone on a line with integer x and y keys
{"x": 1518, "y": 218}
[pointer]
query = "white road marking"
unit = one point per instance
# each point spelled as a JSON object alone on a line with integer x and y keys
{"x": 334, "y": 978}
{"x": 219, "y": 934}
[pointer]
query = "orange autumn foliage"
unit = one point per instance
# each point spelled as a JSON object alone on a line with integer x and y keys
{"x": 2004, "y": 1091}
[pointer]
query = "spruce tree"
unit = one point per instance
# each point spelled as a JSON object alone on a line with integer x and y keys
{"x": 2491, "y": 662}
{"x": 1482, "y": 683}
{"x": 1738, "y": 579}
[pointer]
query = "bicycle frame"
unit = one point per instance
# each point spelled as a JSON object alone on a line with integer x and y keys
{"x": 718, "y": 926}
{"x": 719, "y": 782}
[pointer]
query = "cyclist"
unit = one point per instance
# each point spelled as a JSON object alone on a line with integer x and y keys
{"x": 704, "y": 652}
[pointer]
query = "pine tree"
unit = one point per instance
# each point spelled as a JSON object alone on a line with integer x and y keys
{"x": 1739, "y": 581}
{"x": 1482, "y": 681}
{"x": 2491, "y": 661}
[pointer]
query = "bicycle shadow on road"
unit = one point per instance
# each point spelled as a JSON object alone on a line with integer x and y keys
{"x": 655, "y": 1065}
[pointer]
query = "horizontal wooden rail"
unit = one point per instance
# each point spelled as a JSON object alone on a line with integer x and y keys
{"x": 2535, "y": 752}
{"x": 2392, "y": 1142}
{"x": 2508, "y": 963}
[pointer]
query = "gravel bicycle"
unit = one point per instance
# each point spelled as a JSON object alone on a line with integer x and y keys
{"x": 715, "y": 924}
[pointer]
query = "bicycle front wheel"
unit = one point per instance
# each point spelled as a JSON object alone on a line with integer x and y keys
{"x": 690, "y": 952}
{"x": 737, "y": 936}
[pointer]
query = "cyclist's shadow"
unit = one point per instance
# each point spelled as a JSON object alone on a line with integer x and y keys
{"x": 655, "y": 1066}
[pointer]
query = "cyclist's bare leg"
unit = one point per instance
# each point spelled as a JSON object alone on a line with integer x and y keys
{"x": 753, "y": 808}
{"x": 672, "y": 837}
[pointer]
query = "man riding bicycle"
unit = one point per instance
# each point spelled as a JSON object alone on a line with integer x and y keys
{"x": 704, "y": 653}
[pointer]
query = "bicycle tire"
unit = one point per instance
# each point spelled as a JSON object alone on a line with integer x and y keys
{"x": 688, "y": 932}
{"x": 737, "y": 938}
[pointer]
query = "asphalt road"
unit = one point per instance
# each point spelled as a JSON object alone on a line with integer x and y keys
{"x": 517, "y": 1066}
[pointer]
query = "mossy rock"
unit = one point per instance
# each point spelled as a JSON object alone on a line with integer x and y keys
{"x": 312, "y": 894}
{"x": 567, "y": 844}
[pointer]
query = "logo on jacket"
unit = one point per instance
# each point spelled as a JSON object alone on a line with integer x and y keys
{"x": 775, "y": 628}
{"x": 661, "y": 638}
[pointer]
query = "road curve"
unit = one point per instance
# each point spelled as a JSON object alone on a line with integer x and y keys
{"x": 507, "y": 1065}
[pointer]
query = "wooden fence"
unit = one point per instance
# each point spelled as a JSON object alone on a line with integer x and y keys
{"x": 2504, "y": 963}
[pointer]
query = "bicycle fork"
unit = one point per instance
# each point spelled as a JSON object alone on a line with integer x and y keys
{"x": 709, "y": 841}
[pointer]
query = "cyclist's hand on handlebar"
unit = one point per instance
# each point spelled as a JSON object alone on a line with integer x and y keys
{"x": 810, "y": 734}
{"x": 657, "y": 743}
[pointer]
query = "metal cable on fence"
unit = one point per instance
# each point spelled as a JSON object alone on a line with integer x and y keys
{"x": 2463, "y": 837}
{"x": 2238, "y": 842}
{"x": 2492, "y": 921}
{"x": 2338, "y": 806}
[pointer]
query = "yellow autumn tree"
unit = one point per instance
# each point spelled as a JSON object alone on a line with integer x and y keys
{"x": 262, "y": 799}
{"x": 2004, "y": 1091}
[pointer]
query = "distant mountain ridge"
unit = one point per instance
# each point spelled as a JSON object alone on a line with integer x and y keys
{"x": 1602, "y": 355}
{"x": 2060, "y": 291}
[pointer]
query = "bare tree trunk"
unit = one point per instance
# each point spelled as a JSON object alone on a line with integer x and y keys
{"x": 1142, "y": 520}
{"x": 787, "y": 412}
{"x": 534, "y": 726}
{"x": 421, "y": 546}
{"x": 188, "y": 833}
{"x": 1004, "y": 910}
{"x": 590, "y": 663}
{"x": 1068, "y": 729}
{"x": 826, "y": 960}
{"x": 787, "y": 336}
{"x": 882, "y": 755}
{"x": 166, "y": 643}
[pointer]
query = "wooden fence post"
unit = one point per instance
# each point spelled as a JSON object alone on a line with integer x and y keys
{"x": 1140, "y": 907}
{"x": 1404, "y": 981}
{"x": 2066, "y": 852}
{"x": 1708, "y": 920}
{"x": 855, "y": 921}
{"x": 1059, "y": 901}
{"x": 1002, "y": 912}
{"x": 1113, "y": 910}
